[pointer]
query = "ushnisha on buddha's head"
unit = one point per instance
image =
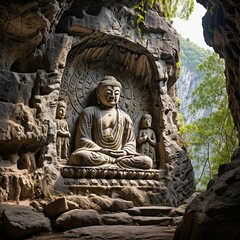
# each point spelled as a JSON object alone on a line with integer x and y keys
{"x": 108, "y": 91}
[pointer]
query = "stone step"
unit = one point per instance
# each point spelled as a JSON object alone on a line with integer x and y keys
{"x": 161, "y": 221}
{"x": 150, "y": 211}
{"x": 116, "y": 232}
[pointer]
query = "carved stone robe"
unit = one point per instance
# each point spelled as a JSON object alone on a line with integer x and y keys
{"x": 90, "y": 137}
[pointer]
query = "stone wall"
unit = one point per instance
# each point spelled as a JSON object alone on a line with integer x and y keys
{"x": 56, "y": 50}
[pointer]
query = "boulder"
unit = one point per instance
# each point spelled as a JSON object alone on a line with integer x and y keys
{"x": 35, "y": 204}
{"x": 116, "y": 219}
{"x": 77, "y": 218}
{"x": 22, "y": 221}
{"x": 104, "y": 202}
{"x": 83, "y": 202}
{"x": 138, "y": 197}
{"x": 56, "y": 207}
{"x": 119, "y": 205}
{"x": 72, "y": 205}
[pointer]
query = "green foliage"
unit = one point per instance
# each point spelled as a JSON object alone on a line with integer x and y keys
{"x": 211, "y": 6}
{"x": 168, "y": 8}
{"x": 180, "y": 119}
{"x": 192, "y": 55}
{"x": 211, "y": 93}
{"x": 210, "y": 139}
{"x": 179, "y": 67}
{"x": 182, "y": 8}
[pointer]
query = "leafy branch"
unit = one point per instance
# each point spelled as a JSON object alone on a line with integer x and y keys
{"x": 167, "y": 8}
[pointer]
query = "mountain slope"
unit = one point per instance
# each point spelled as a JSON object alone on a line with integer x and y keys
{"x": 191, "y": 55}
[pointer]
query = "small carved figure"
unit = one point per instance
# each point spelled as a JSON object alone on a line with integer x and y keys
{"x": 105, "y": 133}
{"x": 63, "y": 133}
{"x": 5, "y": 183}
{"x": 147, "y": 138}
{"x": 17, "y": 188}
{"x": 32, "y": 130}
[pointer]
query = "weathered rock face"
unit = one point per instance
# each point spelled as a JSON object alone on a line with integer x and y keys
{"x": 221, "y": 31}
{"x": 59, "y": 50}
{"x": 214, "y": 214}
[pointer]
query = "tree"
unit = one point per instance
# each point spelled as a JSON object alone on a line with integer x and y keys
{"x": 210, "y": 139}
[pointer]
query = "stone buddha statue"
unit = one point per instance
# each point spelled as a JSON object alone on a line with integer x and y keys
{"x": 105, "y": 135}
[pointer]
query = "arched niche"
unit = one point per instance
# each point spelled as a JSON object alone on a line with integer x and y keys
{"x": 100, "y": 55}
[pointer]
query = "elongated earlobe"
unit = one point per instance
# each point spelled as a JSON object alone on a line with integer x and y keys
{"x": 98, "y": 99}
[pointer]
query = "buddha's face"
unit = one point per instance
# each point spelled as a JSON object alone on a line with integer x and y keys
{"x": 109, "y": 95}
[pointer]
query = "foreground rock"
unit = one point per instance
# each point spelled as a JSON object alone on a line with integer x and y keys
{"x": 22, "y": 221}
{"x": 157, "y": 222}
{"x": 214, "y": 215}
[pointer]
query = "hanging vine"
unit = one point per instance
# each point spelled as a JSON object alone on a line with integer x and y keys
{"x": 167, "y": 8}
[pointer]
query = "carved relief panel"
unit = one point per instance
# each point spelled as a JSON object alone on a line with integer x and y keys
{"x": 78, "y": 90}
